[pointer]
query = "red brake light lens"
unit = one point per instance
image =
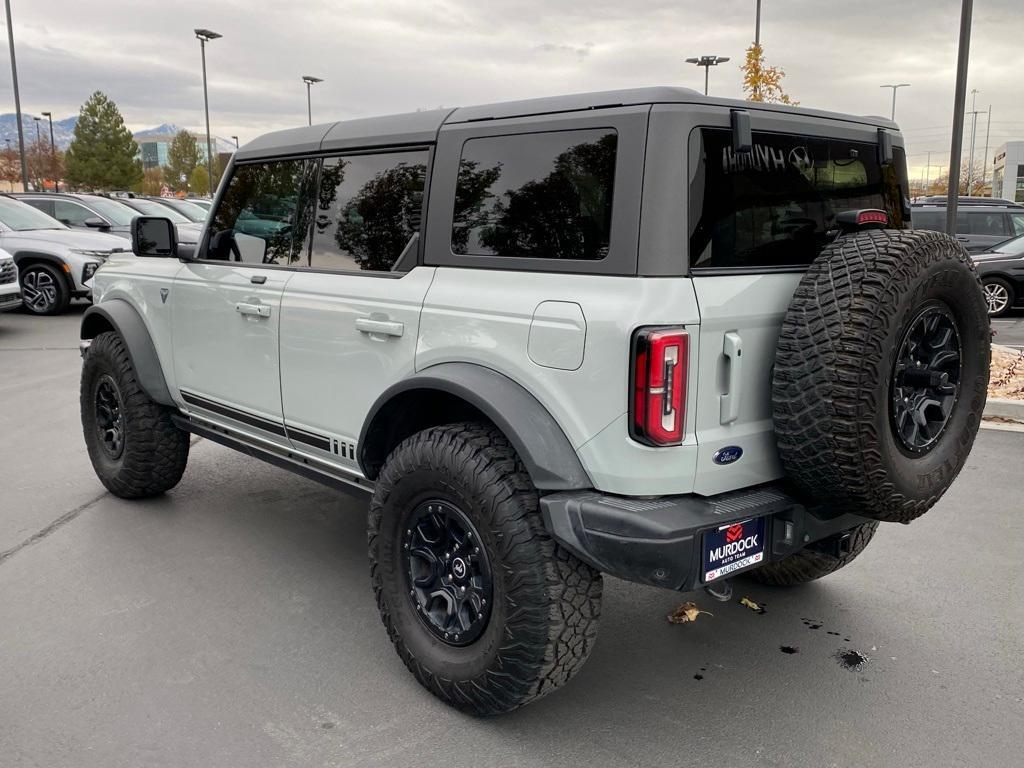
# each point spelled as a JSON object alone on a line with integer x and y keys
{"x": 658, "y": 403}
{"x": 871, "y": 216}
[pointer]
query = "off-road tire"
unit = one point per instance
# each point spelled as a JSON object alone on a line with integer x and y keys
{"x": 834, "y": 367}
{"x": 155, "y": 451}
{"x": 55, "y": 282}
{"x": 813, "y": 562}
{"x": 546, "y": 603}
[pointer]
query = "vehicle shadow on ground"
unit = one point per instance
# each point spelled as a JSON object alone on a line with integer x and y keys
{"x": 298, "y": 552}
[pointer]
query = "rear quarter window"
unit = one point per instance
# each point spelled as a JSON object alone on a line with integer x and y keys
{"x": 777, "y": 206}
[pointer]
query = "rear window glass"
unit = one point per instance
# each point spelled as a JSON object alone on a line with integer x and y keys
{"x": 777, "y": 206}
{"x": 536, "y": 195}
{"x": 934, "y": 219}
{"x": 987, "y": 223}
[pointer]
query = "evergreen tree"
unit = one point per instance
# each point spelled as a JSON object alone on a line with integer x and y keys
{"x": 183, "y": 158}
{"x": 103, "y": 154}
{"x": 199, "y": 181}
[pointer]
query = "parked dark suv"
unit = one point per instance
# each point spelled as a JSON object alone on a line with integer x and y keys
{"x": 981, "y": 223}
{"x": 82, "y": 211}
{"x": 1001, "y": 270}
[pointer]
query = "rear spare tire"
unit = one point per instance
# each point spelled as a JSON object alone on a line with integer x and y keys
{"x": 881, "y": 372}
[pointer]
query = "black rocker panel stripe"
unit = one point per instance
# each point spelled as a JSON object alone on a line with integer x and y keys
{"x": 233, "y": 413}
{"x": 309, "y": 438}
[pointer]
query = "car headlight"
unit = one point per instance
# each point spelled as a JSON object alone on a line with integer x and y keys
{"x": 89, "y": 270}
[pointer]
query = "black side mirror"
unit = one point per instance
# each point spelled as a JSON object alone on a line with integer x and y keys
{"x": 95, "y": 222}
{"x": 154, "y": 236}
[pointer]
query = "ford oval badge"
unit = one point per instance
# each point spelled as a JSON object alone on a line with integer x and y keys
{"x": 728, "y": 455}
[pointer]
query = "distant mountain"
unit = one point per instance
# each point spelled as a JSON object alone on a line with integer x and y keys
{"x": 64, "y": 131}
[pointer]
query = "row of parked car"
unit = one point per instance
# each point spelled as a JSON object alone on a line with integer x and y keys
{"x": 58, "y": 241}
{"x": 51, "y": 244}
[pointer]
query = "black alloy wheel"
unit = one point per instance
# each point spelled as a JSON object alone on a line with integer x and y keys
{"x": 926, "y": 378}
{"x": 42, "y": 290}
{"x": 110, "y": 427}
{"x": 447, "y": 571}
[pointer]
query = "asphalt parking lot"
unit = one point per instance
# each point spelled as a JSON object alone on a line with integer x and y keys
{"x": 230, "y": 623}
{"x": 1010, "y": 329}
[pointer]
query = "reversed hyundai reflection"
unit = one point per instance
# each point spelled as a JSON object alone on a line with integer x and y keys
{"x": 645, "y": 333}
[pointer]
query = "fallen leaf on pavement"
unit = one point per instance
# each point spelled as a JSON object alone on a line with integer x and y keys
{"x": 686, "y": 612}
{"x": 748, "y": 603}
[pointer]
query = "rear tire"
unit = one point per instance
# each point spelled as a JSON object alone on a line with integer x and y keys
{"x": 134, "y": 446}
{"x": 540, "y": 623}
{"x": 881, "y": 373}
{"x": 44, "y": 290}
{"x": 812, "y": 563}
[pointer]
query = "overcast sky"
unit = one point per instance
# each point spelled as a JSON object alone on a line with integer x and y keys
{"x": 385, "y": 56}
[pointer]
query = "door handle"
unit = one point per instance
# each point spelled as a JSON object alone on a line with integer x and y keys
{"x": 732, "y": 348}
{"x": 373, "y": 326}
{"x": 259, "y": 310}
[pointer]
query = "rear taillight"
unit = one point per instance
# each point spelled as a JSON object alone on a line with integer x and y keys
{"x": 658, "y": 404}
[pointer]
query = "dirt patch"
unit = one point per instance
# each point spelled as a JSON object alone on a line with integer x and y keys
{"x": 1007, "y": 377}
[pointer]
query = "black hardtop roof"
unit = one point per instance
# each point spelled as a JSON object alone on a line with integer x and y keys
{"x": 422, "y": 127}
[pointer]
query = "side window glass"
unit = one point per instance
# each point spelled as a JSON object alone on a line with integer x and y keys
{"x": 983, "y": 223}
{"x": 536, "y": 195}
{"x": 1018, "y": 223}
{"x": 368, "y": 210}
{"x": 46, "y": 206}
{"x": 265, "y": 214}
{"x": 70, "y": 213}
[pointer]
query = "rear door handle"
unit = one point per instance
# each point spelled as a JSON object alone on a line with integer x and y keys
{"x": 732, "y": 348}
{"x": 259, "y": 310}
{"x": 379, "y": 327}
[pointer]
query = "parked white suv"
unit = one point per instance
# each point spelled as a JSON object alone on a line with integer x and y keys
{"x": 54, "y": 261}
{"x": 10, "y": 291}
{"x": 646, "y": 333}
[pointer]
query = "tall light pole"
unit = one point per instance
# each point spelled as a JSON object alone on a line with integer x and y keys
{"x": 39, "y": 137}
{"x": 204, "y": 36}
{"x": 17, "y": 97}
{"x": 892, "y": 116}
{"x": 236, "y": 141}
{"x": 959, "y": 103}
{"x": 970, "y": 162}
{"x": 309, "y": 80}
{"x": 49, "y": 116}
{"x": 707, "y": 62}
{"x": 757, "y": 25}
{"x": 988, "y": 133}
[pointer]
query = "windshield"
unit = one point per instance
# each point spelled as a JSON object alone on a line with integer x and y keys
{"x": 118, "y": 213}
{"x": 150, "y": 208}
{"x": 1013, "y": 247}
{"x": 190, "y": 210}
{"x": 22, "y": 217}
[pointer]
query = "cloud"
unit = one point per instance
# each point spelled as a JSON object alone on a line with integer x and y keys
{"x": 386, "y": 56}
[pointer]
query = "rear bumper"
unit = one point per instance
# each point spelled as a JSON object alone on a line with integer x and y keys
{"x": 658, "y": 541}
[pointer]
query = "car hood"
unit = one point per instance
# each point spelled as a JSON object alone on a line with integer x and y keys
{"x": 68, "y": 238}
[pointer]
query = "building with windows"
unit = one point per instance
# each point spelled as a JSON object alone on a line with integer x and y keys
{"x": 1008, "y": 171}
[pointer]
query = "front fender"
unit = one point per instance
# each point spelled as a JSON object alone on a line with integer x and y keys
{"x": 121, "y": 317}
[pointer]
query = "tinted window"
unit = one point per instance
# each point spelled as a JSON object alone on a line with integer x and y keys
{"x": 46, "y": 206}
{"x": 113, "y": 211}
{"x": 777, "y": 206}
{"x": 1018, "y": 223}
{"x": 932, "y": 219}
{"x": 367, "y": 210}
{"x": 984, "y": 223}
{"x": 70, "y": 213}
{"x": 264, "y": 216}
{"x": 537, "y": 195}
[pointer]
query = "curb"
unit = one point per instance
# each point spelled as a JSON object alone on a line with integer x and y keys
{"x": 1002, "y": 408}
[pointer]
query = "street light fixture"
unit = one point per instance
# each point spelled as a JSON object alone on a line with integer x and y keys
{"x": 39, "y": 138}
{"x": 49, "y": 116}
{"x": 236, "y": 141}
{"x": 707, "y": 62}
{"x": 309, "y": 80}
{"x": 894, "y": 87}
{"x": 204, "y": 36}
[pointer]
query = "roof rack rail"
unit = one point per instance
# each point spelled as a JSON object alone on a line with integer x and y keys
{"x": 965, "y": 200}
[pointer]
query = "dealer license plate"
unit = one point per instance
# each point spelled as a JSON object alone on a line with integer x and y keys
{"x": 733, "y": 547}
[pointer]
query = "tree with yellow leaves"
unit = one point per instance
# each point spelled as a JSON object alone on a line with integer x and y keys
{"x": 760, "y": 82}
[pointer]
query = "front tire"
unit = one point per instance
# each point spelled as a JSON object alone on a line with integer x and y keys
{"x": 500, "y": 614}
{"x": 135, "y": 448}
{"x": 44, "y": 290}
